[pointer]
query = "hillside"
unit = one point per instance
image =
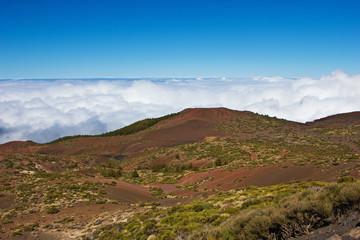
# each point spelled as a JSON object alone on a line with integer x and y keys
{"x": 150, "y": 177}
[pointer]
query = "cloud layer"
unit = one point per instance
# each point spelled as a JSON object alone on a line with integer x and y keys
{"x": 44, "y": 110}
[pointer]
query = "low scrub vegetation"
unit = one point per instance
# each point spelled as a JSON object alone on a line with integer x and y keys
{"x": 274, "y": 212}
{"x": 292, "y": 216}
{"x": 48, "y": 192}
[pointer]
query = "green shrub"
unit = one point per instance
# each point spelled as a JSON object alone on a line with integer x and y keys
{"x": 218, "y": 162}
{"x": 6, "y": 221}
{"x": 16, "y": 233}
{"x": 30, "y": 227}
{"x": 250, "y": 202}
{"x": 149, "y": 227}
{"x": 134, "y": 174}
{"x": 294, "y": 215}
{"x": 258, "y": 226}
{"x": 9, "y": 164}
{"x": 157, "y": 192}
{"x": 67, "y": 219}
{"x": 110, "y": 173}
{"x": 52, "y": 210}
{"x": 169, "y": 180}
{"x": 346, "y": 179}
{"x": 349, "y": 196}
{"x": 200, "y": 206}
{"x": 158, "y": 167}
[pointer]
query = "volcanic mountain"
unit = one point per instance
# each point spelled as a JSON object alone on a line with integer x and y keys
{"x": 263, "y": 141}
{"x": 176, "y": 159}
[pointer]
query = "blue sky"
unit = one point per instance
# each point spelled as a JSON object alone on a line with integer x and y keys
{"x": 74, "y": 38}
{"x": 312, "y": 45}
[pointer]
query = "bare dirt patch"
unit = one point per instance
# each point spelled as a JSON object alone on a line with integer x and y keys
{"x": 129, "y": 196}
{"x": 198, "y": 162}
{"x": 191, "y": 131}
{"x": 222, "y": 179}
{"x": 7, "y": 201}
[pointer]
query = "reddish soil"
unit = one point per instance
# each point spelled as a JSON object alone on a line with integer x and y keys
{"x": 204, "y": 114}
{"x": 129, "y": 196}
{"x": 4, "y": 171}
{"x": 15, "y": 145}
{"x": 336, "y": 120}
{"x": 198, "y": 162}
{"x": 81, "y": 213}
{"x": 190, "y": 125}
{"x": 7, "y": 201}
{"x": 261, "y": 176}
{"x": 190, "y": 131}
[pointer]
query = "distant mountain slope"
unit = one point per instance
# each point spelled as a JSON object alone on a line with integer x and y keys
{"x": 342, "y": 119}
{"x": 194, "y": 125}
{"x": 127, "y": 130}
{"x": 201, "y": 165}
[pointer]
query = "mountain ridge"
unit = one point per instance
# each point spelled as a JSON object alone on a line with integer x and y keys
{"x": 204, "y": 114}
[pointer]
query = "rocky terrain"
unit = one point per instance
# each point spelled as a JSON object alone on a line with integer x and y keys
{"x": 199, "y": 174}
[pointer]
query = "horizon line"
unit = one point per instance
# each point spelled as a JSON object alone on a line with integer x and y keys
{"x": 134, "y": 78}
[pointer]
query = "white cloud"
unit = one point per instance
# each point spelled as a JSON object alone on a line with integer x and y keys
{"x": 45, "y": 110}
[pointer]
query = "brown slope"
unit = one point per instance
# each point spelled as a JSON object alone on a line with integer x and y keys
{"x": 342, "y": 129}
{"x": 190, "y": 125}
{"x": 17, "y": 146}
{"x": 281, "y": 173}
{"x": 342, "y": 119}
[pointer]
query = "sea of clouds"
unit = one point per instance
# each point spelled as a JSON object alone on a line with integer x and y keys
{"x": 44, "y": 110}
